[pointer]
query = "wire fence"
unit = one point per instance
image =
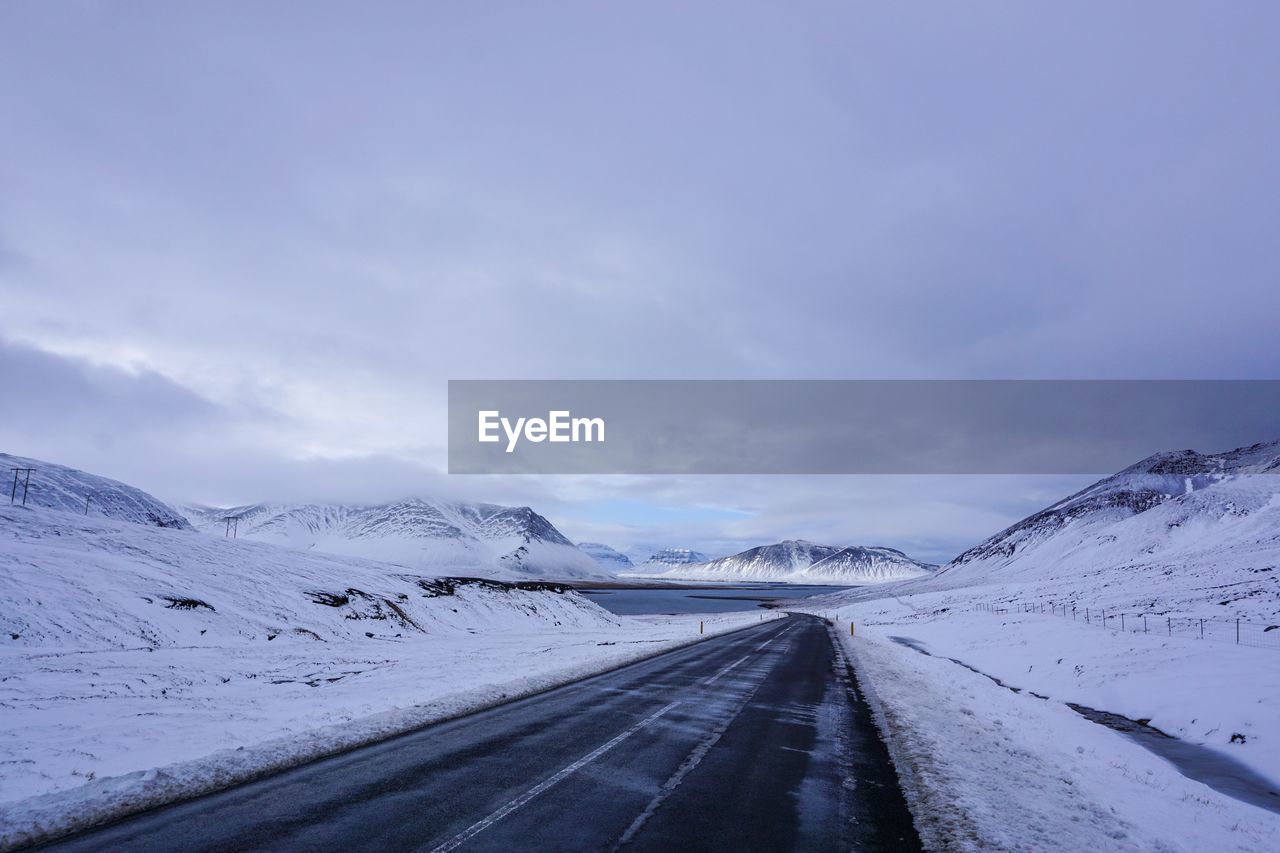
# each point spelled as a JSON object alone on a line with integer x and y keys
{"x": 1240, "y": 632}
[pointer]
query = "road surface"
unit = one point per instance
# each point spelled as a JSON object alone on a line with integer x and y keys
{"x": 756, "y": 740}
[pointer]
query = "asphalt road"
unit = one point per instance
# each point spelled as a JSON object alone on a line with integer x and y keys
{"x": 756, "y": 740}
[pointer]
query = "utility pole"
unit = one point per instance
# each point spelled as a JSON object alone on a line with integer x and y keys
{"x": 233, "y": 526}
{"x": 26, "y": 481}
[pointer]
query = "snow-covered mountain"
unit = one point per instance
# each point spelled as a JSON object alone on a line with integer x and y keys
{"x": 675, "y": 557}
{"x": 1179, "y": 532}
{"x": 765, "y": 562}
{"x": 54, "y": 486}
{"x": 432, "y": 536}
{"x": 1141, "y": 487}
{"x": 866, "y": 565}
{"x": 69, "y": 582}
{"x": 797, "y": 561}
{"x": 609, "y": 559}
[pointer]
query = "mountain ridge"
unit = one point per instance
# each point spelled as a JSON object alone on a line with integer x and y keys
{"x": 800, "y": 561}
{"x": 67, "y": 489}
{"x": 1131, "y": 491}
{"x": 490, "y": 540}
{"x": 609, "y": 558}
{"x": 1177, "y": 533}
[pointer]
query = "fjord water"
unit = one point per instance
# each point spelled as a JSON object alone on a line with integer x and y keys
{"x": 690, "y": 599}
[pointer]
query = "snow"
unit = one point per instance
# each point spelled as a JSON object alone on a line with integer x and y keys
{"x": 1140, "y": 541}
{"x": 54, "y": 486}
{"x": 609, "y": 559}
{"x": 987, "y": 768}
{"x": 207, "y": 660}
{"x": 794, "y": 561}
{"x": 674, "y": 557}
{"x": 981, "y": 726}
{"x": 144, "y": 664}
{"x": 425, "y": 535}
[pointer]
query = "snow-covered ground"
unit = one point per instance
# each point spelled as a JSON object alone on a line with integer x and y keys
{"x": 978, "y": 702}
{"x": 143, "y": 664}
{"x": 989, "y": 768}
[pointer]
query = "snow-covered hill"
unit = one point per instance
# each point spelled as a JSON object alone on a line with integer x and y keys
{"x": 431, "y": 536}
{"x": 58, "y": 487}
{"x": 1179, "y": 533}
{"x": 797, "y": 561}
{"x": 1135, "y": 490}
{"x": 610, "y": 560}
{"x": 74, "y": 582}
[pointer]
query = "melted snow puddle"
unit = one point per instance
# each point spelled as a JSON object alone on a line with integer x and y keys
{"x": 1221, "y": 773}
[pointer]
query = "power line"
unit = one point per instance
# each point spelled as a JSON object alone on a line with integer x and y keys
{"x": 13, "y": 495}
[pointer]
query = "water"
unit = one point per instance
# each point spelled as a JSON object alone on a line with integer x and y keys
{"x": 719, "y": 599}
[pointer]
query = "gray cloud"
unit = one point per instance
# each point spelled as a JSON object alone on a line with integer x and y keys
{"x": 309, "y": 220}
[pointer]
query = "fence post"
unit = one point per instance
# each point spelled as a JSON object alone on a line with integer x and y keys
{"x": 1104, "y": 619}
{"x": 1121, "y": 621}
{"x": 1086, "y": 616}
{"x": 1144, "y": 624}
{"x": 1202, "y": 629}
{"x": 1169, "y": 619}
{"x": 1237, "y": 632}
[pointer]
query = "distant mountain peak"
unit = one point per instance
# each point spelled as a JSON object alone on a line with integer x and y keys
{"x": 676, "y": 557}
{"x": 610, "y": 558}
{"x": 798, "y": 561}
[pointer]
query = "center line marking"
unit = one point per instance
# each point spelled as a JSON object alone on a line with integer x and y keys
{"x": 714, "y": 678}
{"x": 774, "y": 637}
{"x": 692, "y": 760}
{"x": 483, "y": 824}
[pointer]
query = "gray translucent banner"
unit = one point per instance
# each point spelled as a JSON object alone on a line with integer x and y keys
{"x": 846, "y": 426}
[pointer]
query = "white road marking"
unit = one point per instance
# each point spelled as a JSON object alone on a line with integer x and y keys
{"x": 774, "y": 637}
{"x": 692, "y": 760}
{"x": 714, "y": 678}
{"x": 483, "y": 824}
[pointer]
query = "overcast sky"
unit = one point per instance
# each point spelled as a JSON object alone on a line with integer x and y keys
{"x": 244, "y": 245}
